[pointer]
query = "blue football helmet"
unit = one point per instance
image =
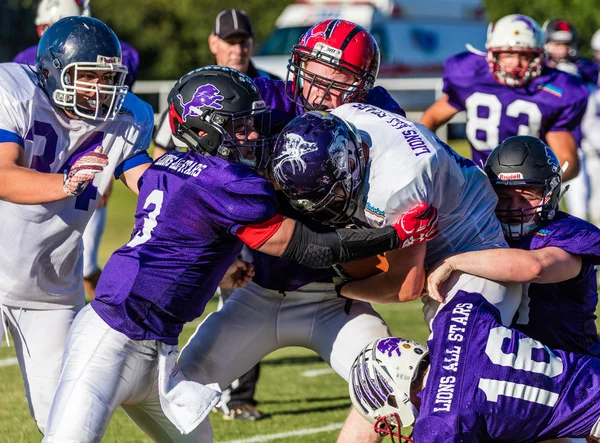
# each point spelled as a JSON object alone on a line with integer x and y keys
{"x": 71, "y": 48}
{"x": 319, "y": 164}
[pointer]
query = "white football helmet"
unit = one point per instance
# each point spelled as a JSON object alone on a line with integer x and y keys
{"x": 380, "y": 383}
{"x": 515, "y": 33}
{"x": 51, "y": 11}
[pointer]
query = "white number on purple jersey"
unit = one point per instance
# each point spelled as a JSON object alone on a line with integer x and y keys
{"x": 522, "y": 360}
{"x": 155, "y": 198}
{"x": 490, "y": 123}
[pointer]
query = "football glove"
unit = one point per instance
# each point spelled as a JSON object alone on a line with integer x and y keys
{"x": 419, "y": 224}
{"x": 83, "y": 171}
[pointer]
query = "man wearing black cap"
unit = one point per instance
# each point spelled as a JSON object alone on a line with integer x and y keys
{"x": 232, "y": 43}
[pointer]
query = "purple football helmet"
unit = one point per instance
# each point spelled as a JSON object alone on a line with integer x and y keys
{"x": 319, "y": 164}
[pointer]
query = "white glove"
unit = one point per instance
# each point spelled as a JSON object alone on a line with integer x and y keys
{"x": 83, "y": 171}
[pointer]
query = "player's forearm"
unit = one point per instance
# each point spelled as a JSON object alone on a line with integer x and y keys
{"x": 387, "y": 288}
{"x": 25, "y": 186}
{"x": 438, "y": 114}
{"x": 565, "y": 147}
{"x": 504, "y": 265}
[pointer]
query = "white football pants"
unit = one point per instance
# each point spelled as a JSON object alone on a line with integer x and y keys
{"x": 255, "y": 322}
{"x": 39, "y": 337}
{"x": 103, "y": 369}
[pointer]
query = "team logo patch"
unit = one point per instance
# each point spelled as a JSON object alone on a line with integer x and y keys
{"x": 389, "y": 346}
{"x": 547, "y": 87}
{"x": 206, "y": 96}
{"x": 507, "y": 176}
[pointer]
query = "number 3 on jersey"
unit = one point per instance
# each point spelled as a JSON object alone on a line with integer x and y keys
{"x": 155, "y": 198}
{"x": 484, "y": 112}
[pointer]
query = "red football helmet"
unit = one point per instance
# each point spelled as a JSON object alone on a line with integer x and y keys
{"x": 339, "y": 44}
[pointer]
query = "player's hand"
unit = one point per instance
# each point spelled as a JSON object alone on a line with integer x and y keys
{"x": 419, "y": 224}
{"x": 437, "y": 275}
{"x": 238, "y": 275}
{"x": 83, "y": 171}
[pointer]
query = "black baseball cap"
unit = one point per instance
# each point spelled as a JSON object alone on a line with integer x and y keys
{"x": 233, "y": 22}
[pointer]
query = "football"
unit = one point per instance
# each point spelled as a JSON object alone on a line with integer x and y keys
{"x": 366, "y": 268}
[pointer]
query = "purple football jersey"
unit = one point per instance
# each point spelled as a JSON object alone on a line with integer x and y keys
{"x": 554, "y": 101}
{"x": 561, "y": 315}
{"x": 131, "y": 59}
{"x": 490, "y": 383}
{"x": 189, "y": 209}
{"x": 281, "y": 274}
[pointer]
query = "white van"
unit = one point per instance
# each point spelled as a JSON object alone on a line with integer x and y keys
{"x": 415, "y": 36}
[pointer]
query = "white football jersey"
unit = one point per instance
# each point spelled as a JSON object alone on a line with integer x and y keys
{"x": 41, "y": 265}
{"x": 407, "y": 165}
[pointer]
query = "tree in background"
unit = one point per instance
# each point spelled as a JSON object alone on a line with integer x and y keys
{"x": 172, "y": 36}
{"x": 584, "y": 14}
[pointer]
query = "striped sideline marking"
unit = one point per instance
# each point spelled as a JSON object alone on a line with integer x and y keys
{"x": 9, "y": 361}
{"x": 271, "y": 437}
{"x": 316, "y": 372}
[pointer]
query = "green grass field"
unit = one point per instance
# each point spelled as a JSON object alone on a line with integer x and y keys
{"x": 292, "y": 402}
